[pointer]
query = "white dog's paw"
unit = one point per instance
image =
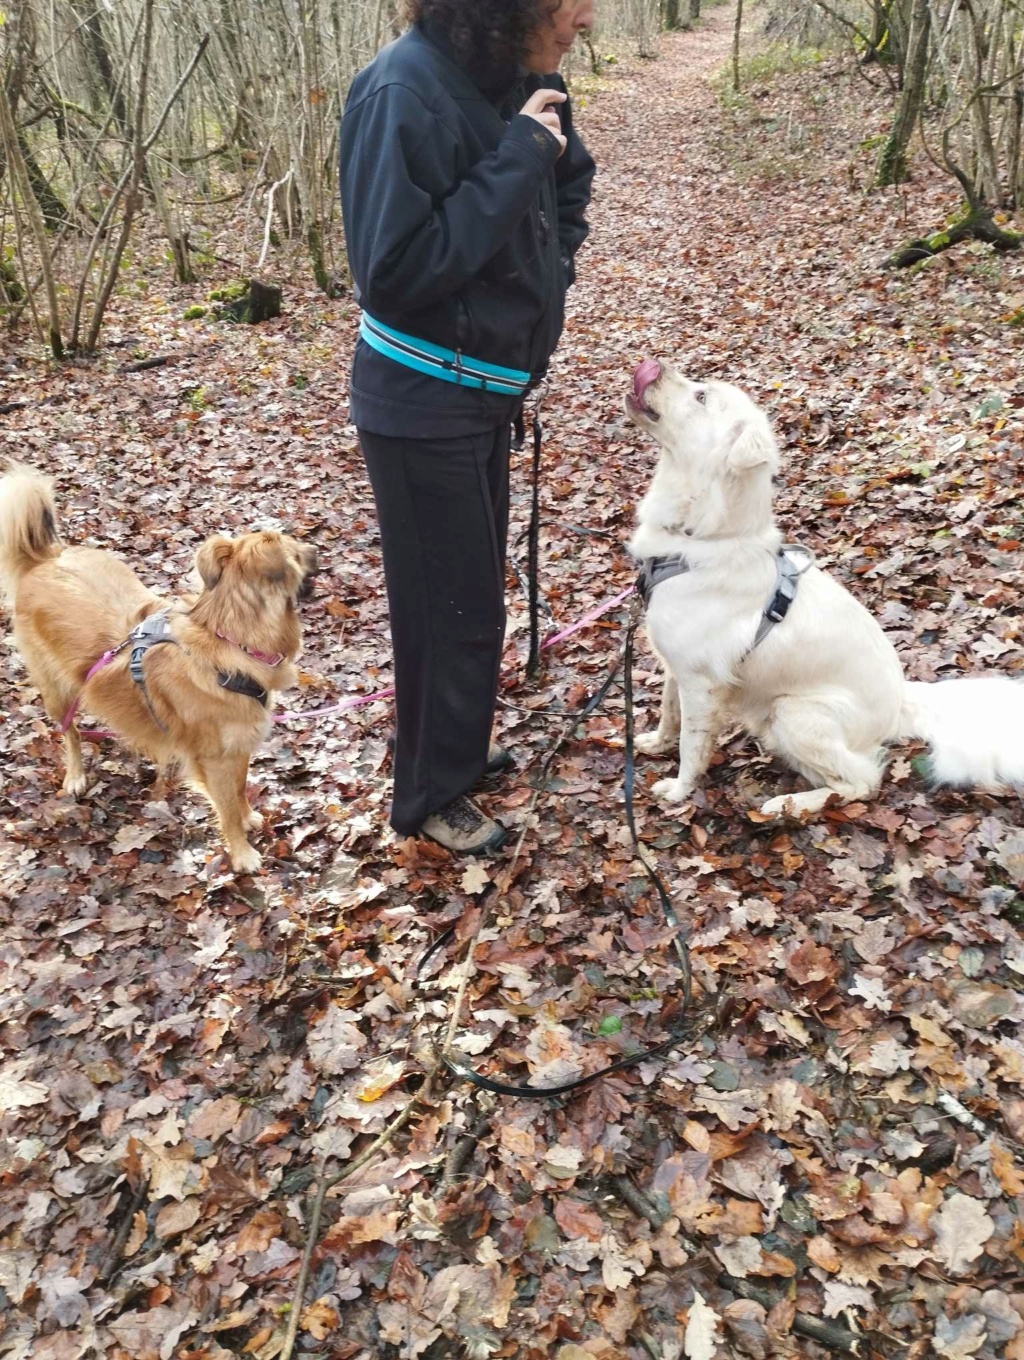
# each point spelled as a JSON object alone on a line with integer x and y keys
{"x": 253, "y": 821}
{"x": 75, "y": 784}
{"x": 653, "y": 744}
{"x": 247, "y": 861}
{"x": 670, "y": 791}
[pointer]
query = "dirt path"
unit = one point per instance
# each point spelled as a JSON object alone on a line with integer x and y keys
{"x": 181, "y": 1049}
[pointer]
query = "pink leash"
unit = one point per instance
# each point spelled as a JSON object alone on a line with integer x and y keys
{"x": 355, "y": 701}
{"x": 346, "y": 705}
{"x": 94, "y": 734}
{"x": 595, "y": 613}
{"x": 360, "y": 700}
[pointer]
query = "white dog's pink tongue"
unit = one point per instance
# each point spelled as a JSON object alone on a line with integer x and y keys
{"x": 647, "y": 372}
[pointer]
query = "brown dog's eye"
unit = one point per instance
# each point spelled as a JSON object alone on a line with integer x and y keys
{"x": 701, "y": 395}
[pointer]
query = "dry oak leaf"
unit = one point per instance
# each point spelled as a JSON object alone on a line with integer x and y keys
{"x": 822, "y": 1251}
{"x": 475, "y": 880}
{"x": 1006, "y": 1171}
{"x": 334, "y": 1042}
{"x": 215, "y": 1118}
{"x": 320, "y": 1318}
{"x": 700, "y": 1338}
{"x": 152, "y": 1335}
{"x": 959, "y": 1339}
{"x": 619, "y": 1266}
{"x": 15, "y": 1092}
{"x": 174, "y": 1218}
{"x": 258, "y": 1233}
{"x": 744, "y": 1321}
{"x": 740, "y": 1257}
{"x": 16, "y": 1270}
{"x": 173, "y": 1173}
{"x": 839, "y": 1297}
{"x": 961, "y": 1227}
{"x": 576, "y": 1220}
{"x": 811, "y": 963}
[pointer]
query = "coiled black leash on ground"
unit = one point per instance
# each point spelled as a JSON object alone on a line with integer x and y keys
{"x": 678, "y": 1034}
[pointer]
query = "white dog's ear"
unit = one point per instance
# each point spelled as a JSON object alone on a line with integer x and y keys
{"x": 748, "y": 445}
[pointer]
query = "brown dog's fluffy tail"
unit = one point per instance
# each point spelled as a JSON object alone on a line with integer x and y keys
{"x": 28, "y": 524}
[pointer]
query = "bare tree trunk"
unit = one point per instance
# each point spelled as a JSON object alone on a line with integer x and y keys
{"x": 88, "y": 15}
{"x": 736, "y": 46}
{"x": 20, "y": 181}
{"x": 892, "y": 162}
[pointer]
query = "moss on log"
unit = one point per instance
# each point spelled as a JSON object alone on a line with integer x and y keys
{"x": 975, "y": 224}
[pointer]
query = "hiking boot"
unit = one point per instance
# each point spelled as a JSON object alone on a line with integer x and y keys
{"x": 461, "y": 827}
{"x": 498, "y": 759}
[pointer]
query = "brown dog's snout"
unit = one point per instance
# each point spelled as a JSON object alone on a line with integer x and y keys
{"x": 310, "y": 567}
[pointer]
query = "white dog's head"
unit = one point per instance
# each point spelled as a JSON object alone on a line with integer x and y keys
{"x": 719, "y": 450}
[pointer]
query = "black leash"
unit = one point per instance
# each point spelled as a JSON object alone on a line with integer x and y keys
{"x": 533, "y": 549}
{"x": 677, "y": 1034}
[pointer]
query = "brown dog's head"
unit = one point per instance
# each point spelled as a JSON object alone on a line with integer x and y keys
{"x": 265, "y": 564}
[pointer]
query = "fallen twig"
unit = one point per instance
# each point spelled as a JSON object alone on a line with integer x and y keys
{"x": 325, "y": 1183}
{"x": 635, "y": 1199}
{"x": 462, "y": 1149}
{"x": 140, "y": 365}
{"x": 836, "y": 1338}
{"x": 113, "y": 1256}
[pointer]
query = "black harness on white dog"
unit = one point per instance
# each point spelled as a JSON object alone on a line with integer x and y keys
{"x": 654, "y": 570}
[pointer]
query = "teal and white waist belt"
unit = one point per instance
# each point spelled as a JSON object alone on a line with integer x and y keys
{"x": 448, "y": 364}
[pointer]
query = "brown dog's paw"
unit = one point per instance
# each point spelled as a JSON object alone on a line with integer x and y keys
{"x": 253, "y": 821}
{"x": 247, "y": 861}
{"x": 75, "y": 784}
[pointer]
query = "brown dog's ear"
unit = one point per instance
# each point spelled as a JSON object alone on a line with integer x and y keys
{"x": 211, "y": 559}
{"x": 749, "y": 445}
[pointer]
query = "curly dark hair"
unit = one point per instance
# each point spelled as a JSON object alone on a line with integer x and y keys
{"x": 492, "y": 33}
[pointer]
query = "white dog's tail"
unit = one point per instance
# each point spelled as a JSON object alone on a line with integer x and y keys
{"x": 28, "y": 524}
{"x": 975, "y": 728}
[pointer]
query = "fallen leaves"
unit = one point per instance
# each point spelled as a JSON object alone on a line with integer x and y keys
{"x": 962, "y": 1227}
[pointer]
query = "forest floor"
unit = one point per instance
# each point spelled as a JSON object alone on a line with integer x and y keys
{"x": 837, "y": 1144}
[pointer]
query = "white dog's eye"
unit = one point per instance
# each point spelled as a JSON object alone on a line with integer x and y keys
{"x": 700, "y": 395}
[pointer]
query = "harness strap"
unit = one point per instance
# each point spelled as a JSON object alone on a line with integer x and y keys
{"x": 654, "y": 570}
{"x": 450, "y": 365}
{"x": 239, "y": 683}
{"x": 151, "y": 632}
{"x": 787, "y": 580}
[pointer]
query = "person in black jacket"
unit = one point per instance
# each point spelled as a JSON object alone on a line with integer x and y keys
{"x": 463, "y": 187}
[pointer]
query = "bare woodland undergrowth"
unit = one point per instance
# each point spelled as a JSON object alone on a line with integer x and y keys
{"x": 840, "y": 1144}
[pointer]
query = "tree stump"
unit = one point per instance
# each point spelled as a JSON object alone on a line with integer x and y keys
{"x": 261, "y": 303}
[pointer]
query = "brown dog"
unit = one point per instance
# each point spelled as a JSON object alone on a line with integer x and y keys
{"x": 193, "y": 690}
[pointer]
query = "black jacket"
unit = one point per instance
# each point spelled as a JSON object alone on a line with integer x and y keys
{"x": 461, "y": 222}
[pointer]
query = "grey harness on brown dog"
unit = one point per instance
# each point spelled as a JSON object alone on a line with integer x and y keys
{"x": 156, "y": 629}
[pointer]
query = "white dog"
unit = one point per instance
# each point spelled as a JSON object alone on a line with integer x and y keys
{"x": 823, "y": 688}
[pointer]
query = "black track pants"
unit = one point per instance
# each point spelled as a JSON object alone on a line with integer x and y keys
{"x": 442, "y": 505}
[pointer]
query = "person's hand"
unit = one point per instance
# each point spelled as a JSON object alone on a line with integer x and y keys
{"x": 538, "y": 107}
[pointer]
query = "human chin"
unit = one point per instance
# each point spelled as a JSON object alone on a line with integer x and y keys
{"x": 545, "y": 60}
